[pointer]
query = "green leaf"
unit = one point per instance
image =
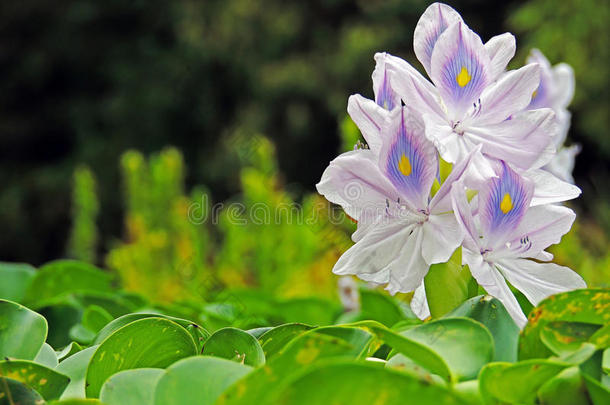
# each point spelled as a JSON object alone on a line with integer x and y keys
{"x": 448, "y": 285}
{"x": 494, "y": 316}
{"x": 463, "y": 343}
{"x": 197, "y": 380}
{"x": 566, "y": 388}
{"x": 585, "y": 306}
{"x": 599, "y": 394}
{"x": 235, "y": 344}
{"x": 79, "y": 401}
{"x": 517, "y": 383}
{"x": 60, "y": 277}
{"x": 355, "y": 384}
{"x": 47, "y": 356}
{"x": 13, "y": 392}
{"x": 379, "y": 306}
{"x": 150, "y": 342}
{"x": 68, "y": 351}
{"x": 75, "y": 367}
{"x": 312, "y": 311}
{"x": 47, "y": 382}
{"x": 22, "y": 331}
{"x": 275, "y": 339}
{"x": 601, "y": 338}
{"x": 566, "y": 337}
{"x": 131, "y": 387}
{"x": 16, "y": 278}
{"x": 606, "y": 361}
{"x": 95, "y": 318}
{"x": 258, "y": 332}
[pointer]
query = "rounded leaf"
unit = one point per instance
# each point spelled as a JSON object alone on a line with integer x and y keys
{"x": 47, "y": 382}
{"x": 131, "y": 387}
{"x": 23, "y": 332}
{"x": 235, "y": 344}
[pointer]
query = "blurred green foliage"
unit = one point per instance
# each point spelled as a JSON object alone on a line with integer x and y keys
{"x": 85, "y": 208}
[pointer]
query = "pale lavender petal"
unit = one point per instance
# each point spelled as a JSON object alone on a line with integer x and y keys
{"x": 563, "y": 162}
{"x": 407, "y": 271}
{"x": 563, "y": 78}
{"x": 538, "y": 281}
{"x": 433, "y": 22}
{"x": 548, "y": 188}
{"x": 542, "y": 97}
{"x": 369, "y": 118}
{"x": 407, "y": 158}
{"x": 463, "y": 214}
{"x": 419, "y": 303}
{"x": 442, "y": 235}
{"x": 502, "y": 205}
{"x": 501, "y": 50}
{"x": 510, "y": 94}
{"x": 460, "y": 67}
{"x": 385, "y": 96}
{"x": 524, "y": 140}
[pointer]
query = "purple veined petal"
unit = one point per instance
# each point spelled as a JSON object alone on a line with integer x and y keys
{"x": 501, "y": 50}
{"x": 385, "y": 96}
{"x": 492, "y": 281}
{"x": 503, "y": 203}
{"x": 463, "y": 214}
{"x": 537, "y": 281}
{"x": 354, "y": 181}
{"x": 433, "y": 22}
{"x": 542, "y": 96}
{"x": 541, "y": 227}
{"x": 460, "y": 69}
{"x": 525, "y": 140}
{"x": 442, "y": 235}
{"x": 369, "y": 118}
{"x": 510, "y": 94}
{"x": 548, "y": 188}
{"x": 407, "y": 158}
{"x": 415, "y": 90}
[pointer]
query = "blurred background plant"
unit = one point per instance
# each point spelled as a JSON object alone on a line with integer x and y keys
{"x": 89, "y": 83}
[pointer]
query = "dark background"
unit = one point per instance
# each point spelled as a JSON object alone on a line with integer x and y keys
{"x": 81, "y": 81}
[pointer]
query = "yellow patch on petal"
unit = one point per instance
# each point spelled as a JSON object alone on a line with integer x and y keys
{"x": 404, "y": 165}
{"x": 463, "y": 78}
{"x": 534, "y": 94}
{"x": 507, "y": 204}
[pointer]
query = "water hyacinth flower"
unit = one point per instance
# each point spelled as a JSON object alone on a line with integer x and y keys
{"x": 503, "y": 233}
{"x": 402, "y": 228}
{"x": 471, "y": 100}
{"x": 555, "y": 91}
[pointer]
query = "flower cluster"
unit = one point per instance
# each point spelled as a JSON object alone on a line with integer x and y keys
{"x": 472, "y": 158}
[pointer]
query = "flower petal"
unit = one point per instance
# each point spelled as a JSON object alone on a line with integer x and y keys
{"x": 510, "y": 94}
{"x": 523, "y": 140}
{"x": 433, "y": 22}
{"x": 419, "y": 303}
{"x": 369, "y": 118}
{"x": 562, "y": 166}
{"x": 407, "y": 158}
{"x": 353, "y": 180}
{"x": 539, "y": 280}
{"x": 549, "y": 188}
{"x": 503, "y": 204}
{"x": 501, "y": 50}
{"x": 460, "y": 67}
{"x": 463, "y": 214}
{"x": 563, "y": 78}
{"x": 385, "y": 96}
{"x": 492, "y": 281}
{"x": 442, "y": 235}
{"x": 408, "y": 270}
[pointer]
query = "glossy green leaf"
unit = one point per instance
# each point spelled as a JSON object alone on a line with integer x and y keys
{"x": 95, "y": 318}
{"x": 16, "y": 278}
{"x": 258, "y": 332}
{"x": 381, "y": 307}
{"x": 601, "y": 338}
{"x": 235, "y": 344}
{"x": 131, "y": 387}
{"x": 275, "y": 339}
{"x": 466, "y": 345}
{"x": 75, "y": 367}
{"x": 150, "y": 342}
{"x": 47, "y": 356}
{"x": 565, "y": 337}
{"x": 197, "y": 380}
{"x": 60, "y": 277}
{"x": 47, "y": 382}
{"x": 358, "y": 383}
{"x": 599, "y": 394}
{"x": 585, "y": 306}
{"x": 13, "y": 392}
{"x": 566, "y": 388}
{"x": 517, "y": 383}
{"x": 448, "y": 285}
{"x": 494, "y": 316}
{"x": 22, "y": 331}
{"x": 68, "y": 351}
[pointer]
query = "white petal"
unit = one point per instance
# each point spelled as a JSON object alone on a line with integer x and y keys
{"x": 442, "y": 235}
{"x": 463, "y": 214}
{"x": 501, "y": 49}
{"x": 510, "y": 94}
{"x": 550, "y": 189}
{"x": 419, "y": 303}
{"x": 563, "y": 78}
{"x": 562, "y": 165}
{"x": 539, "y": 280}
{"x": 408, "y": 270}
{"x": 433, "y": 22}
{"x": 492, "y": 281}
{"x": 369, "y": 118}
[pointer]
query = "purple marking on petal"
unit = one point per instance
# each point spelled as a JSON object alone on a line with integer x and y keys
{"x": 407, "y": 152}
{"x": 430, "y": 40}
{"x": 385, "y": 94}
{"x": 504, "y": 204}
{"x": 540, "y": 96}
